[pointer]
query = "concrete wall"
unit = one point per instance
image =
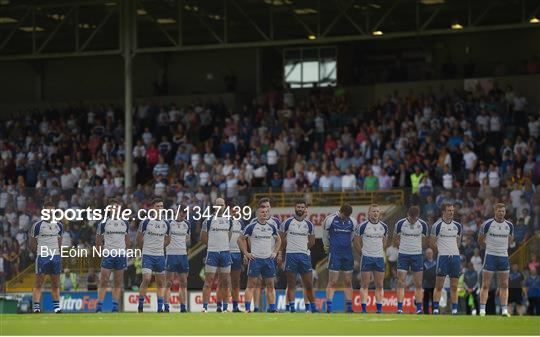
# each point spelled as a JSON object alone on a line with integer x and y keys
{"x": 102, "y": 77}
{"x": 364, "y": 96}
{"x": 204, "y": 72}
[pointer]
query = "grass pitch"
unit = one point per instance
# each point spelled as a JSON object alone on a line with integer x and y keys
{"x": 263, "y": 324}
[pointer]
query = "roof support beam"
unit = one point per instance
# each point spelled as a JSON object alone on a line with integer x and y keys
{"x": 484, "y": 13}
{"x": 56, "y": 29}
{"x": 251, "y": 22}
{"x": 431, "y": 17}
{"x": 15, "y": 29}
{"x": 386, "y": 15}
{"x": 163, "y": 31}
{"x": 337, "y": 17}
{"x": 96, "y": 30}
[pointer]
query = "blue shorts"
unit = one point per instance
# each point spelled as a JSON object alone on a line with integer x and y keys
{"x": 177, "y": 264}
{"x": 371, "y": 263}
{"x": 414, "y": 262}
{"x": 496, "y": 263}
{"x": 262, "y": 267}
{"x": 218, "y": 259}
{"x": 298, "y": 263}
{"x": 340, "y": 261}
{"x": 236, "y": 261}
{"x": 114, "y": 262}
{"x": 48, "y": 265}
{"x": 154, "y": 263}
{"x": 449, "y": 265}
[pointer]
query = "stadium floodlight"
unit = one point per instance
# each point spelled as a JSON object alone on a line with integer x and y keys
{"x": 534, "y": 19}
{"x": 312, "y": 37}
{"x": 377, "y": 33}
{"x": 305, "y": 11}
{"x": 29, "y": 29}
{"x": 432, "y": 2}
{"x": 165, "y": 21}
{"x": 456, "y": 26}
{"x": 7, "y": 19}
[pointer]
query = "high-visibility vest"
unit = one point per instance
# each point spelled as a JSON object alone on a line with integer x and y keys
{"x": 415, "y": 181}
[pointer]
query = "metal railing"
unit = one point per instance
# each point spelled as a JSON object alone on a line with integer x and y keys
{"x": 522, "y": 254}
{"x": 384, "y": 197}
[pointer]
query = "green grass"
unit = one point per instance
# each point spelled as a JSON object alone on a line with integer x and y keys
{"x": 263, "y": 324}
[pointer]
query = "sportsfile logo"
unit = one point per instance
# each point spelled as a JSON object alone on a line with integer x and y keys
{"x": 118, "y": 212}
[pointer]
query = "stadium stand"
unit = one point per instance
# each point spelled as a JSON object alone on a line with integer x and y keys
{"x": 424, "y": 148}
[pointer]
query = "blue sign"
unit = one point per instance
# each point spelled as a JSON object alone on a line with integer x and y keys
{"x": 76, "y": 301}
{"x": 338, "y": 302}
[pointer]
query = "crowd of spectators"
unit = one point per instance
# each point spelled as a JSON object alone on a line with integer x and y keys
{"x": 469, "y": 148}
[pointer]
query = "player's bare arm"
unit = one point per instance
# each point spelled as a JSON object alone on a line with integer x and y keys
{"x": 481, "y": 240}
{"x": 357, "y": 244}
{"x": 127, "y": 241}
{"x": 204, "y": 237}
{"x": 242, "y": 244}
{"x": 139, "y": 240}
{"x": 99, "y": 240}
{"x": 33, "y": 244}
{"x": 311, "y": 240}
{"x": 397, "y": 239}
{"x": 277, "y": 247}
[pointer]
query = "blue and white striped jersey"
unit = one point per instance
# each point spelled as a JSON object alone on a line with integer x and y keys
{"x": 179, "y": 232}
{"x": 497, "y": 235}
{"x": 447, "y": 235}
{"x": 373, "y": 235}
{"x": 261, "y": 239}
{"x": 411, "y": 235}
{"x": 297, "y": 233}
{"x": 154, "y": 232}
{"x": 114, "y": 233}
{"x": 47, "y": 234}
{"x": 236, "y": 232}
{"x": 218, "y": 230}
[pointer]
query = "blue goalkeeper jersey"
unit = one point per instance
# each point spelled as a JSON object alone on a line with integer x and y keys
{"x": 340, "y": 233}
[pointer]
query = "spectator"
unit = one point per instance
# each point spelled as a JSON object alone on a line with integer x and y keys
{"x": 348, "y": 181}
{"x": 532, "y": 289}
{"x": 68, "y": 281}
{"x": 476, "y": 261}
{"x": 470, "y": 285}
{"x": 533, "y": 262}
{"x": 371, "y": 182}
{"x": 91, "y": 280}
{"x": 515, "y": 291}
{"x": 392, "y": 253}
{"x": 428, "y": 282}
